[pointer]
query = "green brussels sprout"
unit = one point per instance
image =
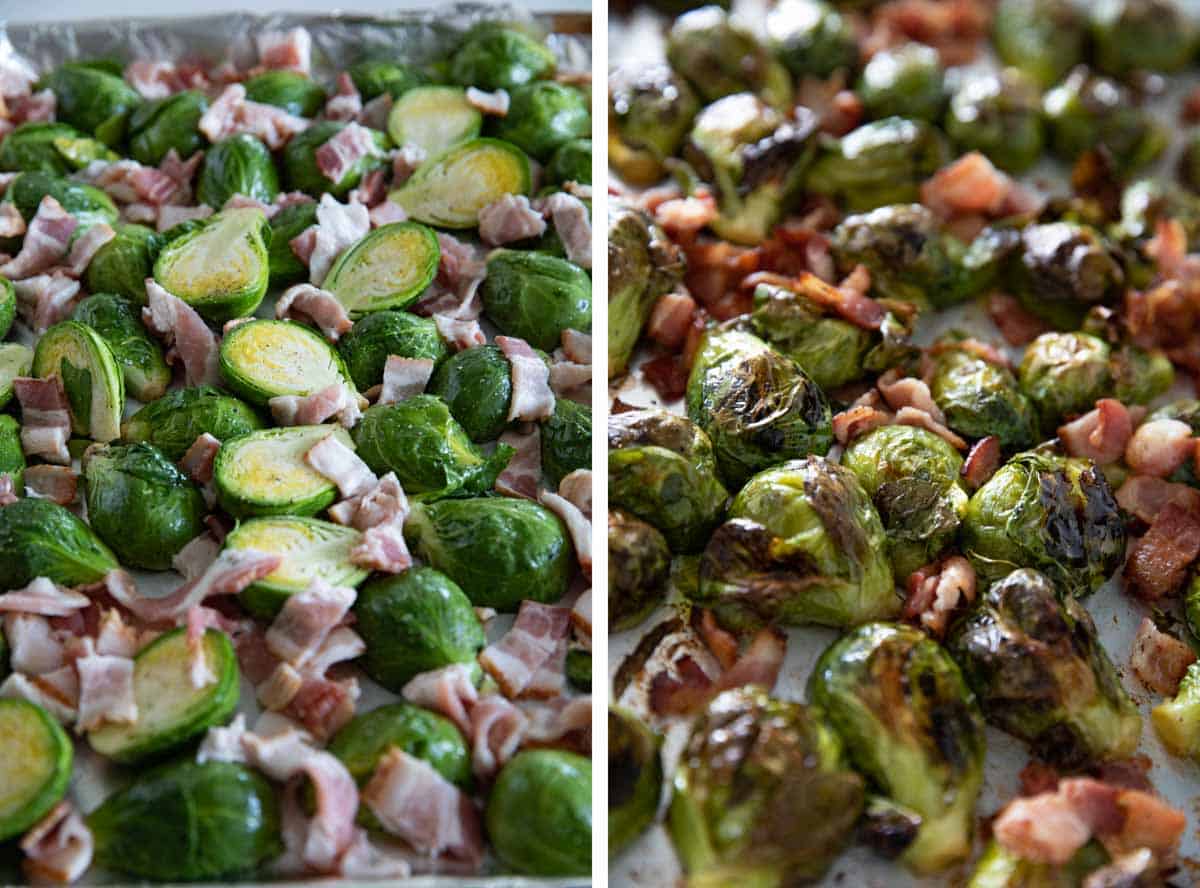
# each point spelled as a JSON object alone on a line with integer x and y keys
{"x": 651, "y": 109}
{"x": 122, "y": 265}
{"x": 911, "y": 725}
{"x": 1043, "y": 38}
{"x": 999, "y": 115}
{"x": 762, "y": 795}
{"x": 141, "y": 505}
{"x": 388, "y": 268}
{"x": 450, "y": 189}
{"x": 719, "y": 57}
{"x": 643, "y": 264}
{"x": 905, "y": 81}
{"x": 758, "y": 407}
{"x": 230, "y": 813}
{"x": 1063, "y": 269}
{"x": 53, "y": 148}
{"x": 1040, "y": 673}
{"x": 500, "y": 551}
{"x": 578, "y": 669}
{"x": 662, "y": 469}
{"x": 95, "y": 101}
{"x": 366, "y": 347}
{"x": 1000, "y": 868}
{"x": 173, "y": 422}
{"x": 292, "y": 91}
{"x": 428, "y": 450}
{"x": 15, "y": 360}
{"x": 477, "y": 386}
{"x": 421, "y": 733}
{"x": 1176, "y": 719}
{"x": 300, "y": 168}
{"x": 240, "y": 164}
{"x": 12, "y": 457}
{"x": 803, "y": 544}
{"x": 571, "y": 162}
{"x": 434, "y": 118}
{"x": 36, "y": 756}
{"x": 1050, "y": 513}
{"x": 157, "y": 127}
{"x": 374, "y": 77}
{"x": 1088, "y": 110}
{"x": 539, "y": 813}
{"x": 494, "y": 57}
{"x": 566, "y": 440}
{"x": 284, "y": 265}
{"x": 811, "y": 38}
{"x": 8, "y": 306}
{"x": 39, "y": 538}
{"x": 635, "y": 778}
{"x": 980, "y": 398}
{"x": 882, "y": 162}
{"x": 543, "y": 116}
{"x": 88, "y": 204}
{"x": 536, "y": 296}
{"x": 140, "y": 357}
{"x": 415, "y": 622}
{"x": 1141, "y": 35}
{"x": 639, "y": 564}
{"x": 91, "y": 378}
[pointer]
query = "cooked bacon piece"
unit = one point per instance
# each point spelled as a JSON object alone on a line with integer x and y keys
{"x": 955, "y": 28}
{"x": 179, "y": 325}
{"x": 45, "y": 418}
{"x": 513, "y": 660}
{"x": 170, "y": 216}
{"x": 8, "y": 495}
{"x": 58, "y": 848}
{"x": 336, "y": 399}
{"x": 460, "y": 333}
{"x": 493, "y": 103}
{"x": 937, "y": 590}
{"x": 1158, "y": 562}
{"x": 304, "y": 302}
{"x": 87, "y": 245}
{"x": 671, "y": 318}
{"x": 12, "y": 223}
{"x": 908, "y": 391}
{"x": 43, "y": 597}
{"x": 692, "y": 688}
{"x": 496, "y": 731}
{"x": 46, "y": 241}
{"x": 346, "y": 103}
{"x": 386, "y": 213}
{"x": 970, "y": 184}
{"x": 290, "y": 50}
{"x": 105, "y": 691}
{"x": 306, "y": 620}
{"x": 573, "y": 224}
{"x": 1017, "y": 325}
{"x": 1159, "y": 447}
{"x": 197, "y": 462}
{"x": 1100, "y": 435}
{"x": 848, "y": 299}
{"x": 449, "y": 690}
{"x": 232, "y": 113}
{"x": 341, "y": 465}
{"x": 58, "y": 484}
{"x": 857, "y": 421}
{"x": 1144, "y": 496}
{"x": 510, "y": 218}
{"x": 405, "y": 161}
{"x": 1044, "y": 827}
{"x": 683, "y": 217}
{"x": 520, "y": 477}
{"x": 383, "y": 548}
{"x": 46, "y": 299}
{"x": 577, "y": 346}
{"x": 338, "y": 226}
{"x": 1158, "y": 659}
{"x": 404, "y": 378}
{"x": 981, "y": 462}
{"x": 339, "y": 154}
{"x": 233, "y": 571}
{"x": 578, "y": 526}
{"x": 532, "y": 397}
{"x": 911, "y": 416}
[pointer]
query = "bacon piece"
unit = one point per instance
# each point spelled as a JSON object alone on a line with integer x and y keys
{"x": 338, "y": 226}
{"x": 405, "y": 161}
{"x": 565, "y": 723}
{"x": 304, "y": 302}
{"x": 346, "y": 103}
{"x": 12, "y": 223}
{"x": 105, "y": 691}
{"x": 289, "y": 50}
{"x": 306, "y": 620}
{"x": 848, "y": 299}
{"x": 366, "y": 860}
{"x": 180, "y": 325}
{"x": 59, "y": 847}
{"x": 1159, "y": 447}
{"x": 115, "y": 637}
{"x": 129, "y": 182}
{"x": 39, "y": 690}
{"x": 682, "y": 218}
{"x": 573, "y": 224}
{"x": 153, "y": 80}
{"x": 376, "y": 112}
{"x": 577, "y": 346}
{"x": 170, "y": 216}
{"x": 369, "y": 192}
{"x": 43, "y": 597}
{"x": 908, "y": 392}
{"x": 232, "y": 113}
{"x": 494, "y": 103}
{"x": 45, "y": 418}
{"x": 46, "y": 241}
{"x": 568, "y": 380}
{"x": 857, "y": 421}
{"x": 1158, "y": 659}
{"x": 1144, "y": 496}
{"x": 513, "y": 660}
{"x": 1158, "y": 562}
{"x": 341, "y": 465}
{"x": 913, "y": 417}
{"x": 87, "y": 245}
{"x": 1101, "y": 434}
{"x": 386, "y": 213}
{"x": 671, "y": 318}
{"x": 496, "y": 731}
{"x": 404, "y": 378}
{"x": 462, "y": 334}
{"x": 1044, "y": 827}
{"x": 383, "y": 503}
{"x": 1017, "y": 325}
{"x": 532, "y": 397}
{"x": 197, "y": 461}
{"x": 510, "y": 218}
{"x": 937, "y": 590}
{"x": 383, "y": 548}
{"x": 8, "y": 495}
{"x": 58, "y": 484}
{"x": 981, "y": 462}
{"x": 45, "y": 299}
{"x": 449, "y": 690}
{"x": 233, "y": 571}
{"x": 970, "y": 184}
{"x": 578, "y": 526}
{"x": 520, "y": 477}
{"x": 336, "y": 399}
{"x": 34, "y": 649}
{"x": 576, "y": 488}
{"x": 194, "y": 558}
{"x": 348, "y": 147}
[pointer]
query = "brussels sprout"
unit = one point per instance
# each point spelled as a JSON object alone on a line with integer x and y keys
{"x": 15, "y": 360}
{"x": 175, "y": 421}
{"x": 803, "y": 544}
{"x": 635, "y": 778}
{"x": 39, "y": 538}
{"x": 1189, "y": 174}
{"x": 536, "y": 296}
{"x": 220, "y": 268}
{"x": 90, "y": 376}
{"x": 389, "y": 268}
{"x": 719, "y": 57}
{"x": 12, "y": 459}
{"x": 1087, "y": 111}
{"x": 48, "y": 147}
{"x": 1043, "y": 38}
{"x": 811, "y": 38}
{"x": 433, "y": 118}
{"x": 911, "y": 726}
{"x": 90, "y": 99}
{"x": 651, "y": 110}
{"x": 284, "y": 265}
{"x": 35, "y": 765}
{"x": 904, "y": 250}
{"x": 643, "y": 264}
{"x": 171, "y": 709}
{"x": 292, "y": 91}
{"x": 500, "y": 58}
{"x": 1040, "y": 672}
{"x": 365, "y": 349}
{"x": 240, "y": 164}
{"x": 757, "y": 406}
{"x": 264, "y": 473}
{"x": 572, "y": 162}
{"x": 539, "y": 813}
{"x": 415, "y": 622}
{"x": 1000, "y": 868}
{"x": 122, "y": 265}
{"x": 8, "y": 306}
{"x": 140, "y": 504}
{"x": 543, "y": 116}
{"x": 1063, "y": 269}
{"x": 140, "y": 357}
{"x": 450, "y": 189}
{"x": 999, "y": 115}
{"x": 428, "y": 450}
{"x": 882, "y": 162}
{"x": 189, "y": 822}
{"x": 762, "y": 796}
{"x": 1053, "y": 514}
{"x": 477, "y": 386}
{"x": 566, "y": 440}
{"x": 1145, "y": 202}
{"x": 1137, "y": 35}
{"x": 88, "y": 204}
{"x": 1177, "y": 719}
{"x": 500, "y": 551}
{"x": 263, "y": 359}
{"x": 905, "y": 81}
{"x": 639, "y": 564}
{"x": 157, "y": 127}
{"x": 300, "y": 167}
{"x": 980, "y": 398}
{"x": 374, "y": 77}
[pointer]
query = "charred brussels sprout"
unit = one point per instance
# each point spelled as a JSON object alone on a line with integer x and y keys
{"x": 719, "y": 57}
{"x": 284, "y": 265}
{"x": 157, "y": 127}
{"x": 536, "y": 296}
{"x": 1064, "y": 269}
{"x": 642, "y": 265}
{"x": 539, "y": 813}
{"x": 543, "y": 116}
{"x": 980, "y": 398}
{"x": 122, "y": 265}
{"x": 174, "y": 421}
{"x": 415, "y": 622}
{"x": 572, "y": 162}
{"x": 1041, "y": 674}
{"x": 365, "y": 349}
{"x": 91, "y": 99}
{"x": 300, "y": 161}
{"x": 566, "y": 440}
{"x": 651, "y": 110}
{"x": 762, "y": 796}
{"x": 1177, "y": 719}
{"x": 140, "y": 357}
{"x": 639, "y": 564}
{"x": 53, "y": 148}
{"x": 1064, "y": 374}
{"x": 477, "y": 385}
{"x": 1141, "y": 35}
{"x": 292, "y": 91}
{"x": 493, "y": 57}
{"x": 450, "y": 189}
{"x": 240, "y": 164}
{"x": 39, "y": 538}
{"x": 1044, "y": 38}
{"x": 911, "y": 725}
{"x": 905, "y": 81}
{"x": 757, "y": 406}
{"x": 35, "y": 763}
{"x": 999, "y": 115}
{"x": 1087, "y": 111}
{"x": 1050, "y": 513}
{"x": 12, "y": 457}
{"x": 374, "y": 77}
{"x": 635, "y": 778}
{"x": 811, "y": 38}
{"x": 500, "y": 551}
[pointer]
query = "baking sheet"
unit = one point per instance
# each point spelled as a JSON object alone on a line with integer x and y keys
{"x": 339, "y": 40}
{"x": 651, "y": 861}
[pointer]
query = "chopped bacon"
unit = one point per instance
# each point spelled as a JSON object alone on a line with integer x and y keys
{"x": 59, "y": 847}
{"x": 1017, "y": 325}
{"x": 197, "y": 462}
{"x": 848, "y": 299}
{"x": 683, "y": 217}
{"x": 34, "y": 649}
{"x": 194, "y": 558}
{"x": 568, "y": 380}
{"x": 375, "y": 112}
{"x": 510, "y": 218}
{"x": 955, "y": 28}
{"x": 532, "y": 397}
{"x": 908, "y": 391}
{"x": 382, "y": 503}
{"x": 1159, "y": 561}
{"x": 573, "y": 224}
{"x": 289, "y": 50}
{"x": 386, "y": 213}
{"x": 911, "y": 416}
{"x": 129, "y": 182}
{"x": 563, "y": 722}
{"x": 86, "y": 246}
{"x": 56, "y": 691}
{"x": 306, "y": 302}
{"x": 12, "y": 223}
{"x": 45, "y": 418}
{"x": 671, "y": 318}
{"x": 857, "y": 420}
{"x": 515, "y": 658}
{"x": 154, "y": 80}
{"x": 981, "y": 462}
{"x": 692, "y": 689}
{"x": 371, "y": 191}
{"x": 1144, "y": 496}
{"x": 404, "y": 378}
{"x": 182, "y": 171}
{"x": 229, "y": 574}
{"x": 581, "y": 614}
{"x": 346, "y": 103}
{"x": 1100, "y": 435}
{"x": 383, "y": 548}
{"x": 44, "y": 597}
{"x": 105, "y": 691}
{"x": 493, "y": 103}
{"x": 1159, "y": 659}
{"x": 46, "y": 299}
{"x": 336, "y": 399}
{"x": 8, "y": 495}
{"x": 46, "y": 241}
{"x": 180, "y": 325}
{"x": 339, "y": 154}
{"x": 937, "y": 590}
{"x": 367, "y": 860}
{"x": 233, "y": 113}
{"x": 578, "y": 526}
{"x": 449, "y": 690}
{"x": 39, "y": 107}
{"x": 496, "y": 731}
{"x": 170, "y": 216}
{"x": 971, "y": 184}
{"x": 306, "y": 620}
{"x": 577, "y": 346}
{"x": 341, "y": 465}
{"x": 58, "y": 484}
{"x": 520, "y": 477}
{"x": 460, "y": 333}
{"x": 1159, "y": 447}
{"x": 338, "y": 226}
{"x": 405, "y": 161}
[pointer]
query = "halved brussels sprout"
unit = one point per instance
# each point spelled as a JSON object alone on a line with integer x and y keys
{"x": 35, "y": 765}
{"x": 1063, "y": 269}
{"x": 639, "y": 565}
{"x": 140, "y": 357}
{"x": 374, "y": 77}
{"x": 566, "y": 440}
{"x": 543, "y": 116}
{"x": 12, "y": 457}
{"x": 300, "y": 167}
{"x": 500, "y": 551}
{"x": 1043, "y": 38}
{"x": 1040, "y": 672}
{"x": 263, "y": 359}
{"x": 240, "y": 164}
{"x": 433, "y": 118}
{"x": 139, "y": 503}
{"x": 88, "y": 204}
{"x": 980, "y": 398}
{"x": 185, "y": 821}
{"x": 39, "y": 538}
{"x": 171, "y": 709}
{"x": 90, "y": 376}
{"x": 264, "y": 472}
{"x": 572, "y": 162}
{"x": 905, "y": 81}
{"x": 720, "y": 57}
{"x": 536, "y": 296}
{"x": 15, "y": 360}
{"x": 450, "y": 189}
{"x": 999, "y": 115}
{"x": 1087, "y": 110}
{"x": 1177, "y": 719}
{"x": 651, "y": 110}
{"x": 476, "y": 383}
{"x": 220, "y": 268}
{"x": 635, "y": 777}
{"x": 48, "y": 147}
{"x": 176, "y": 420}
{"x": 811, "y": 38}
{"x": 157, "y": 127}
{"x": 311, "y": 549}
{"x": 91, "y": 99}
{"x": 292, "y": 91}
{"x": 415, "y": 622}
{"x": 122, "y": 265}
{"x": 285, "y": 266}
{"x": 493, "y": 57}
{"x": 1141, "y": 35}
{"x": 762, "y": 795}
{"x": 539, "y": 813}
{"x": 643, "y": 264}
{"x": 389, "y": 268}
{"x": 374, "y": 337}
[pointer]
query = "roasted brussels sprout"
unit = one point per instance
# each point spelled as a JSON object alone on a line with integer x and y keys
{"x": 493, "y": 57}
{"x": 566, "y": 440}
{"x": 1141, "y": 35}
{"x": 91, "y": 99}
{"x": 1064, "y": 374}
{"x": 1040, "y": 673}
{"x": 500, "y": 551}
{"x": 642, "y": 265}
{"x": 12, "y": 457}
{"x": 635, "y": 778}
{"x": 757, "y": 406}
{"x": 292, "y": 91}
{"x": 39, "y": 538}
{"x": 450, "y": 189}
{"x": 639, "y": 564}
{"x": 1000, "y": 868}
{"x": 263, "y": 358}
{"x": 536, "y": 296}
{"x": 811, "y": 38}
{"x": 1189, "y": 173}
{"x": 1063, "y": 269}
{"x": 284, "y": 265}
{"x": 1146, "y": 201}
{"x": 91, "y": 378}
{"x": 911, "y": 725}
{"x": 1044, "y": 38}
{"x": 157, "y": 127}
{"x": 999, "y": 115}
{"x": 230, "y": 813}
{"x": 905, "y": 81}
{"x": 980, "y": 398}
{"x": 35, "y": 763}
{"x": 240, "y": 164}
{"x": 434, "y": 118}
{"x": 119, "y": 324}
{"x": 543, "y": 116}
{"x": 1087, "y": 111}
{"x": 88, "y": 204}
{"x": 719, "y": 57}
{"x": 365, "y": 349}
{"x": 539, "y": 813}
{"x": 477, "y": 385}
{"x": 762, "y": 795}
{"x": 651, "y": 109}
{"x": 572, "y": 162}
{"x": 1177, "y": 719}
{"x": 389, "y": 268}
{"x": 1050, "y": 513}
{"x": 122, "y": 265}
{"x": 300, "y": 168}
{"x": 47, "y": 147}
{"x": 174, "y": 421}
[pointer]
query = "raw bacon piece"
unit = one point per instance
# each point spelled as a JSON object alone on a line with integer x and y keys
{"x": 339, "y": 154}
{"x": 577, "y": 346}
{"x": 180, "y": 325}
{"x": 531, "y": 641}
{"x": 86, "y": 246}
{"x": 45, "y": 299}
{"x": 288, "y": 50}
{"x": 493, "y": 103}
{"x": 194, "y": 558}
{"x": 46, "y": 241}
{"x": 45, "y": 418}
{"x": 371, "y": 191}
{"x": 405, "y": 161}
{"x": 574, "y": 226}
{"x": 497, "y": 729}
{"x": 182, "y": 171}
{"x": 460, "y": 333}
{"x": 449, "y": 690}
{"x": 346, "y": 103}
{"x": 8, "y": 495}
{"x": 105, "y": 691}
{"x": 338, "y": 226}
{"x": 386, "y": 213}
{"x": 578, "y": 526}
{"x": 532, "y": 397}
{"x": 404, "y": 378}
{"x": 324, "y": 706}
{"x": 383, "y": 503}
{"x": 129, "y": 182}
{"x": 43, "y": 597}
{"x": 59, "y": 848}
{"x": 564, "y": 723}
{"x": 510, "y": 218}
{"x": 34, "y": 648}
{"x": 153, "y": 80}
{"x": 58, "y": 484}
{"x": 1158, "y": 562}
{"x": 232, "y": 113}
{"x": 168, "y": 217}
{"x": 341, "y": 465}
{"x": 569, "y": 380}
{"x": 197, "y": 462}
{"x": 233, "y": 571}
{"x": 115, "y": 637}
{"x": 304, "y": 302}
{"x": 1159, "y": 660}
{"x": 39, "y": 690}
{"x": 12, "y": 223}
{"x": 306, "y": 620}
{"x": 336, "y": 399}
{"x": 383, "y": 548}
{"x": 520, "y": 477}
